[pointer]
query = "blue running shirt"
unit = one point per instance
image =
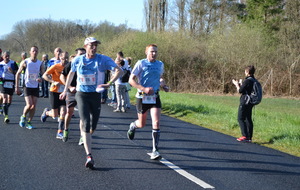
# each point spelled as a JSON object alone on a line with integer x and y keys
{"x": 91, "y": 72}
{"x": 149, "y": 73}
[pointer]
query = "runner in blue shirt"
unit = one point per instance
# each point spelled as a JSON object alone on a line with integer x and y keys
{"x": 146, "y": 76}
{"x": 90, "y": 69}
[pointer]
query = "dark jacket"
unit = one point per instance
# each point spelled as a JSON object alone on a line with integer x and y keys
{"x": 246, "y": 89}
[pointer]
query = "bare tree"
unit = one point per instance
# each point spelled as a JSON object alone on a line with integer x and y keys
{"x": 156, "y": 14}
{"x": 179, "y": 14}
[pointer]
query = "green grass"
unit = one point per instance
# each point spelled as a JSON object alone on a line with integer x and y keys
{"x": 276, "y": 120}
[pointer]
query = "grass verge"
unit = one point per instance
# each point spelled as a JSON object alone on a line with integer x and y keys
{"x": 276, "y": 120}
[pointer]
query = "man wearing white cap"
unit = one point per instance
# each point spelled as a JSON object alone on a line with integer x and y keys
{"x": 90, "y": 69}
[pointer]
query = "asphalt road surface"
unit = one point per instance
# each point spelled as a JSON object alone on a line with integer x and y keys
{"x": 193, "y": 157}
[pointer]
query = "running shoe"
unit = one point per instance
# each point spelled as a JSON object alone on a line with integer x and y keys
{"x": 44, "y": 115}
{"x": 123, "y": 110}
{"x": 80, "y": 141}
{"x": 29, "y": 126}
{"x": 22, "y": 121}
{"x": 1, "y": 110}
{"x": 131, "y": 131}
{"x": 65, "y": 136}
{"x": 60, "y": 135}
{"x": 155, "y": 155}
{"x": 111, "y": 104}
{"x": 117, "y": 110}
{"x": 242, "y": 139}
{"x": 6, "y": 120}
{"x": 89, "y": 162}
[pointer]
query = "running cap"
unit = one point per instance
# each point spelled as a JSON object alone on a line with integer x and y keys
{"x": 91, "y": 40}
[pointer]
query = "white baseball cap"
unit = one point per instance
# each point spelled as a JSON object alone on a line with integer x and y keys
{"x": 91, "y": 40}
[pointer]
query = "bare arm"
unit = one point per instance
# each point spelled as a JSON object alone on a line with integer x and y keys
{"x": 47, "y": 77}
{"x": 22, "y": 66}
{"x": 133, "y": 82}
{"x": 67, "y": 84}
{"x": 117, "y": 73}
{"x": 163, "y": 85}
{"x": 63, "y": 79}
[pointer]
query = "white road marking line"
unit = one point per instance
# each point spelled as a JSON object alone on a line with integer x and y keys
{"x": 185, "y": 174}
{"x": 182, "y": 172}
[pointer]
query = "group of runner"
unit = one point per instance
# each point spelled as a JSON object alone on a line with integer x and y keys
{"x": 80, "y": 82}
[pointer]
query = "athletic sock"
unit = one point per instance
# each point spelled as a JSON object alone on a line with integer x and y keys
{"x": 5, "y": 108}
{"x": 155, "y": 138}
{"x": 61, "y": 124}
{"x": 132, "y": 127}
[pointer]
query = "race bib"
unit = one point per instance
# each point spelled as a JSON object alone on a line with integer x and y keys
{"x": 32, "y": 77}
{"x": 87, "y": 79}
{"x": 149, "y": 99}
{"x": 8, "y": 84}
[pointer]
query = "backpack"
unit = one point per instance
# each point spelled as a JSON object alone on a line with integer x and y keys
{"x": 256, "y": 94}
{"x": 125, "y": 77}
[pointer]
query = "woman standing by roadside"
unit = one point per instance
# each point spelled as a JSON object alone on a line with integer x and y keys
{"x": 245, "y": 107}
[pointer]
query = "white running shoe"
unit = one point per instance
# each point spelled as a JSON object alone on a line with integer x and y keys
{"x": 80, "y": 141}
{"x": 155, "y": 155}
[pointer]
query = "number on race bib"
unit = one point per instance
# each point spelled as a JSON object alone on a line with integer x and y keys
{"x": 149, "y": 99}
{"x": 8, "y": 84}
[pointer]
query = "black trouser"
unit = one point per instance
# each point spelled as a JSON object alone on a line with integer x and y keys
{"x": 245, "y": 120}
{"x": 89, "y": 107}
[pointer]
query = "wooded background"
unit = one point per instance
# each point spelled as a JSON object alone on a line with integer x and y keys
{"x": 203, "y": 43}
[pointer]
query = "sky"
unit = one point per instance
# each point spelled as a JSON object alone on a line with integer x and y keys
{"x": 96, "y": 11}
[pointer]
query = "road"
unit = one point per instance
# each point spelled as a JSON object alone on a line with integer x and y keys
{"x": 193, "y": 157}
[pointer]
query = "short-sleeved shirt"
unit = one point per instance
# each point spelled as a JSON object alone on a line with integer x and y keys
{"x": 149, "y": 73}
{"x": 91, "y": 72}
{"x": 55, "y": 71}
{"x": 32, "y": 73}
{"x": 5, "y": 73}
